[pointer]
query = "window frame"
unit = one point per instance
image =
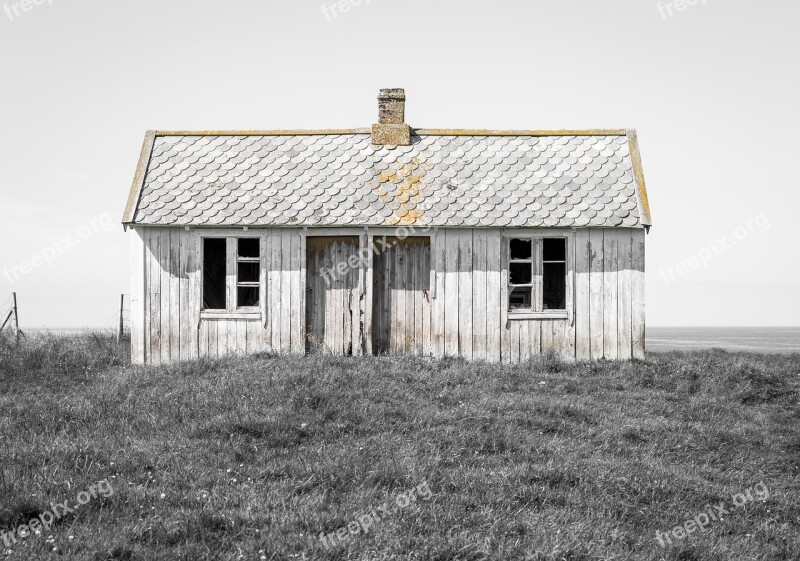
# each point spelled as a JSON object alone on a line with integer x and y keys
{"x": 537, "y": 310}
{"x": 232, "y": 284}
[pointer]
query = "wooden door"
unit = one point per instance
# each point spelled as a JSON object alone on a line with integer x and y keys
{"x": 401, "y": 313}
{"x": 333, "y": 322}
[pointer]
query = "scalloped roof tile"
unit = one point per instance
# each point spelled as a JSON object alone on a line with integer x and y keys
{"x": 342, "y": 179}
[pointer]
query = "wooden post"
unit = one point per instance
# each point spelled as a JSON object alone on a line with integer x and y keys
{"x": 121, "y": 326}
{"x": 8, "y": 317}
{"x": 16, "y": 316}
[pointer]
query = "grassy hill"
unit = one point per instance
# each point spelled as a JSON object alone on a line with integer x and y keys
{"x": 436, "y": 459}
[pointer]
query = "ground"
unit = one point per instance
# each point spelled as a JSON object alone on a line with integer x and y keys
{"x": 256, "y": 458}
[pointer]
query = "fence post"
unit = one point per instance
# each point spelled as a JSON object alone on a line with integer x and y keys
{"x": 121, "y": 325}
{"x": 16, "y": 316}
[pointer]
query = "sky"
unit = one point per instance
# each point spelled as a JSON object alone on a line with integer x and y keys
{"x": 710, "y": 86}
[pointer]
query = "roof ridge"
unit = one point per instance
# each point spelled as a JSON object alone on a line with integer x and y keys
{"x": 418, "y": 132}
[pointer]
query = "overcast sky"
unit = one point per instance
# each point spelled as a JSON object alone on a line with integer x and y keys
{"x": 712, "y": 90}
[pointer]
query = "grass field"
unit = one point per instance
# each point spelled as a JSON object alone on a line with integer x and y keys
{"x": 437, "y": 459}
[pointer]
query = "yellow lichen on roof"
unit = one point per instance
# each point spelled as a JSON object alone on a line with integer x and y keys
{"x": 405, "y": 191}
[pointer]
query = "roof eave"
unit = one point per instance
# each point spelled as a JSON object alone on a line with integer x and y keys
{"x": 638, "y": 174}
{"x": 138, "y": 179}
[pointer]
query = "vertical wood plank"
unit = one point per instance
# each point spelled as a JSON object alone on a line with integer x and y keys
{"x": 505, "y": 331}
{"x": 340, "y": 315}
{"x": 137, "y": 298}
{"x": 369, "y": 294}
{"x": 255, "y": 341}
{"x": 479, "y": 301}
{"x": 568, "y": 350}
{"x": 166, "y": 267}
{"x": 233, "y": 336}
{"x": 286, "y": 289}
{"x": 535, "y": 340}
{"x": 302, "y": 292}
{"x": 152, "y": 295}
{"x": 421, "y": 276}
{"x": 401, "y": 283}
{"x": 638, "y": 294}
{"x": 548, "y": 344}
{"x": 583, "y": 350}
{"x": 625, "y": 333}
{"x": 184, "y": 314}
{"x": 275, "y": 289}
{"x": 212, "y": 327}
{"x": 356, "y": 281}
{"x": 223, "y": 341}
{"x": 465, "y": 294}
{"x": 427, "y": 304}
{"x": 296, "y": 262}
{"x": 266, "y": 260}
{"x": 408, "y": 269}
{"x": 495, "y": 301}
{"x": 194, "y": 271}
{"x": 439, "y": 309}
{"x": 452, "y": 310}
{"x": 596, "y": 292}
{"x": 202, "y": 340}
{"x": 241, "y": 337}
{"x": 610, "y": 265}
{"x": 525, "y": 340}
{"x": 559, "y": 342}
{"x": 174, "y": 295}
{"x": 389, "y": 302}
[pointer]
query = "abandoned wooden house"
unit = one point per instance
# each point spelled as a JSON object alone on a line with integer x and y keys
{"x": 487, "y": 245}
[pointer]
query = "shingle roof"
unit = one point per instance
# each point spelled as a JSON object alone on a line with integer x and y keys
{"x": 338, "y": 178}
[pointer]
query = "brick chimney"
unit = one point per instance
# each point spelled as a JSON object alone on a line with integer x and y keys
{"x": 391, "y": 128}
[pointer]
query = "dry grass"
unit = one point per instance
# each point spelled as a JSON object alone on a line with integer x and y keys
{"x": 254, "y": 458}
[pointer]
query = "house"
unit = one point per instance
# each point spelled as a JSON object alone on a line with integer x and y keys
{"x": 487, "y": 245}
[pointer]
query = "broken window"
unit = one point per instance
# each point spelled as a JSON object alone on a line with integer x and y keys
{"x": 231, "y": 271}
{"x": 537, "y": 275}
{"x": 248, "y": 273}
{"x": 214, "y": 271}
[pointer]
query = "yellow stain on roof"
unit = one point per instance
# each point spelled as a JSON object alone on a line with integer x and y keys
{"x": 405, "y": 185}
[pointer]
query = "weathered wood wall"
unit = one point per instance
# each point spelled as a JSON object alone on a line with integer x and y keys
{"x": 467, "y": 287}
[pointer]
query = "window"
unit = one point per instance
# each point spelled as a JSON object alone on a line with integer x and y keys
{"x": 231, "y": 274}
{"x": 248, "y": 273}
{"x": 214, "y": 267}
{"x": 537, "y": 275}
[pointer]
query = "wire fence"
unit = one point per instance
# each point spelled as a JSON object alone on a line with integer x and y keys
{"x": 110, "y": 324}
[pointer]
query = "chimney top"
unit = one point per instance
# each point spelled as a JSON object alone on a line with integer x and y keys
{"x": 391, "y": 128}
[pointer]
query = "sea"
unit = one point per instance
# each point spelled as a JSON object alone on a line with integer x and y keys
{"x": 742, "y": 339}
{"x": 661, "y": 339}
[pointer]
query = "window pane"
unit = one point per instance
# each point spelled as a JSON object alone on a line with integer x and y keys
{"x": 249, "y": 247}
{"x": 555, "y": 286}
{"x": 520, "y": 273}
{"x": 249, "y": 272}
{"x": 520, "y": 249}
{"x": 555, "y": 249}
{"x": 247, "y": 296}
{"x": 519, "y": 298}
{"x": 214, "y": 259}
